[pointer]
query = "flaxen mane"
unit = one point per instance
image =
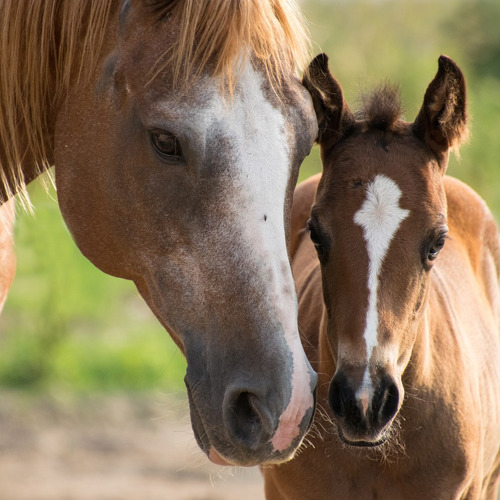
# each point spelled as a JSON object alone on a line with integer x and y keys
{"x": 42, "y": 45}
{"x": 273, "y": 30}
{"x": 46, "y": 44}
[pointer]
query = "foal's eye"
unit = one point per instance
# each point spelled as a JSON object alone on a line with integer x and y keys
{"x": 436, "y": 245}
{"x": 436, "y": 248}
{"x": 166, "y": 145}
{"x": 315, "y": 238}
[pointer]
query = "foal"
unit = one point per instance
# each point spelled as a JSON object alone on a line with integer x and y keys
{"x": 407, "y": 341}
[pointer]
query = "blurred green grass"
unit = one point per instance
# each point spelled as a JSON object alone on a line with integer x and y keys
{"x": 68, "y": 326}
{"x": 369, "y": 42}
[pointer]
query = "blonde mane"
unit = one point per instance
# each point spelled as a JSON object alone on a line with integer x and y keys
{"x": 44, "y": 45}
{"x": 272, "y": 30}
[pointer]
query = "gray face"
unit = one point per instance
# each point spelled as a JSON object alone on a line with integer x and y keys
{"x": 187, "y": 194}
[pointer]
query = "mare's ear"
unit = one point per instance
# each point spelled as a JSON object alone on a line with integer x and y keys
{"x": 442, "y": 120}
{"x": 334, "y": 116}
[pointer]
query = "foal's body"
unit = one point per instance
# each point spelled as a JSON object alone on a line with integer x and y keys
{"x": 445, "y": 442}
{"x": 432, "y": 414}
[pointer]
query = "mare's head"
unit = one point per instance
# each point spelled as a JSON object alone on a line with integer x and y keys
{"x": 175, "y": 168}
{"x": 378, "y": 224}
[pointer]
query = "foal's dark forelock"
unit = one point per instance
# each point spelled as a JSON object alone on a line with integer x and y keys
{"x": 381, "y": 109}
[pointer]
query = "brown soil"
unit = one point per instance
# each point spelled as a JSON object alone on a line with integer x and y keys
{"x": 109, "y": 448}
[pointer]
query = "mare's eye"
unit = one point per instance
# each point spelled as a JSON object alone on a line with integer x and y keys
{"x": 166, "y": 145}
{"x": 315, "y": 238}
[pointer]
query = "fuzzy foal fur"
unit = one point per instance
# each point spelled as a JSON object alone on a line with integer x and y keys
{"x": 442, "y": 323}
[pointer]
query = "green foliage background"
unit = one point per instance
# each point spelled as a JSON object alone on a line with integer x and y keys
{"x": 67, "y": 326}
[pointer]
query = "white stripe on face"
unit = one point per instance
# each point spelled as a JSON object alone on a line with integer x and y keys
{"x": 264, "y": 160}
{"x": 259, "y": 137}
{"x": 380, "y": 217}
{"x": 260, "y": 167}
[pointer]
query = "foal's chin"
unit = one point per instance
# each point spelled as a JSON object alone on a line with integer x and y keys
{"x": 364, "y": 441}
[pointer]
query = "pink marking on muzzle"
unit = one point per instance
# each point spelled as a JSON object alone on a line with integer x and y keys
{"x": 301, "y": 401}
{"x": 364, "y": 399}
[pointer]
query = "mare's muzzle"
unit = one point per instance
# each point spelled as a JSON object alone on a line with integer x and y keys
{"x": 239, "y": 423}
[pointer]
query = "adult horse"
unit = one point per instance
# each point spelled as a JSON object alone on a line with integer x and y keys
{"x": 177, "y": 128}
{"x": 407, "y": 341}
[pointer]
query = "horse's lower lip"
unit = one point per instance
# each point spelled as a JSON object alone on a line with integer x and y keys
{"x": 215, "y": 458}
{"x": 361, "y": 444}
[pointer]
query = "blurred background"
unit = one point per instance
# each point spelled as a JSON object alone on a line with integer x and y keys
{"x": 78, "y": 346}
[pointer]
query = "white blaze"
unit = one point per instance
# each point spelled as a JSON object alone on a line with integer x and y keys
{"x": 266, "y": 171}
{"x": 259, "y": 138}
{"x": 260, "y": 157}
{"x": 380, "y": 217}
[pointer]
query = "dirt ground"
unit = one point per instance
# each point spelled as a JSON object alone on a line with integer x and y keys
{"x": 107, "y": 448}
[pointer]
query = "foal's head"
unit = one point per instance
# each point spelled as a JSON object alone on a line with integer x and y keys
{"x": 378, "y": 224}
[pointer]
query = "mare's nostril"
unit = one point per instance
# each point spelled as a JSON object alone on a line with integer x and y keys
{"x": 247, "y": 419}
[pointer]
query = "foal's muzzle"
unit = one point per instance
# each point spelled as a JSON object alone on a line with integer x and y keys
{"x": 363, "y": 419}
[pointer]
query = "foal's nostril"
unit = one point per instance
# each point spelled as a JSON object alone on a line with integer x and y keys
{"x": 247, "y": 419}
{"x": 386, "y": 401}
{"x": 339, "y": 395}
{"x": 363, "y": 414}
{"x": 335, "y": 399}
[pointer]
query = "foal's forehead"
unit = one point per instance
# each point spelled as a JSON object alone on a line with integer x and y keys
{"x": 353, "y": 165}
{"x": 357, "y": 159}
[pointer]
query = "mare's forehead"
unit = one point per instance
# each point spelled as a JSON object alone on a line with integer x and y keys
{"x": 142, "y": 57}
{"x": 252, "y": 113}
{"x": 206, "y": 102}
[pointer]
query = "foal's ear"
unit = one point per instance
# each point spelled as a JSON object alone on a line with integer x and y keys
{"x": 442, "y": 120}
{"x": 334, "y": 116}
